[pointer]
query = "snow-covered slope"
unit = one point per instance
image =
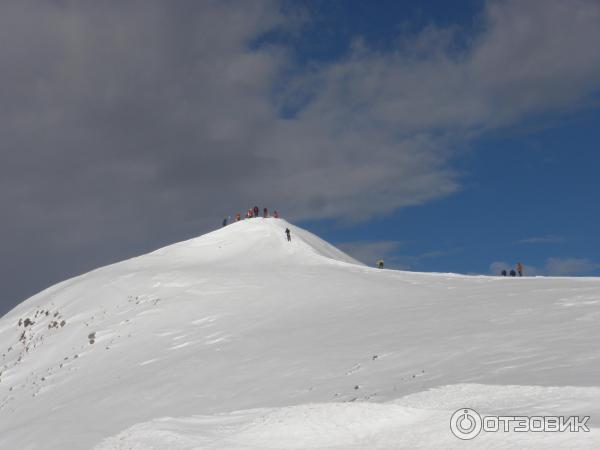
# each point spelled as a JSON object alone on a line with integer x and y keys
{"x": 240, "y": 339}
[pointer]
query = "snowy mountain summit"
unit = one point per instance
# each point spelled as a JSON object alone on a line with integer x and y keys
{"x": 239, "y": 339}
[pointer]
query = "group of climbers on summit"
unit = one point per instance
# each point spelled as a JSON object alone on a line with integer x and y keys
{"x": 255, "y": 212}
{"x": 252, "y": 212}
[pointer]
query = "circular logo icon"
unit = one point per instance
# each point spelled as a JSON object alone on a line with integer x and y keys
{"x": 465, "y": 423}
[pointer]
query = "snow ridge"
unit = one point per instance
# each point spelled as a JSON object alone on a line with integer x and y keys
{"x": 240, "y": 339}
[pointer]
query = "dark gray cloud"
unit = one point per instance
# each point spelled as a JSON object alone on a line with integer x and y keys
{"x": 127, "y": 125}
{"x": 124, "y": 126}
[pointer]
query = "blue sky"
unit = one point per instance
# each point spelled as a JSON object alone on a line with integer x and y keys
{"x": 528, "y": 191}
{"x": 445, "y": 136}
{"x": 528, "y": 194}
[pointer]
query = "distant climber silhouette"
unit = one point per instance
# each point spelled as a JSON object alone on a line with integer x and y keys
{"x": 520, "y": 269}
{"x": 287, "y": 231}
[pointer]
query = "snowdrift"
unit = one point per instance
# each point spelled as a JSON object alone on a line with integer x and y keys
{"x": 240, "y": 339}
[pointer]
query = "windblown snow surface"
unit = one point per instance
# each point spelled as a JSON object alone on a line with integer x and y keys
{"x": 240, "y": 340}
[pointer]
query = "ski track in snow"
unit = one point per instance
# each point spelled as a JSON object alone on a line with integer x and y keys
{"x": 241, "y": 340}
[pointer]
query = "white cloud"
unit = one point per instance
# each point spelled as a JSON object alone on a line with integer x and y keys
{"x": 368, "y": 252}
{"x": 570, "y": 266}
{"x": 541, "y": 240}
{"x": 497, "y": 267}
